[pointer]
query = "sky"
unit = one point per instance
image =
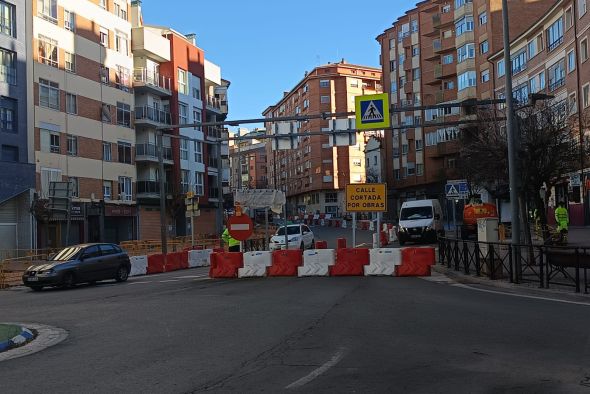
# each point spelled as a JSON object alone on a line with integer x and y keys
{"x": 264, "y": 47}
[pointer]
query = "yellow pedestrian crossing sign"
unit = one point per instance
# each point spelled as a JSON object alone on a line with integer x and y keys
{"x": 372, "y": 112}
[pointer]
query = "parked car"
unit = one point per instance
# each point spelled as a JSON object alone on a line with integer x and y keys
{"x": 420, "y": 220}
{"x": 299, "y": 237}
{"x": 79, "y": 264}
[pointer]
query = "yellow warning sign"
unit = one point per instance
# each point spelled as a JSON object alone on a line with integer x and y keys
{"x": 366, "y": 197}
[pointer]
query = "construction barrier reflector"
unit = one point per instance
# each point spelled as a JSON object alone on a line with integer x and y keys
{"x": 350, "y": 262}
{"x": 313, "y": 269}
{"x": 342, "y": 243}
{"x": 321, "y": 244}
{"x": 199, "y": 258}
{"x": 416, "y": 262}
{"x": 156, "y": 264}
{"x": 285, "y": 263}
{"x": 225, "y": 265}
{"x": 139, "y": 265}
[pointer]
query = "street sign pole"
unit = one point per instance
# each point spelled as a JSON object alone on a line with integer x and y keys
{"x": 193, "y": 231}
{"x": 455, "y": 218}
{"x": 378, "y": 229}
{"x": 354, "y": 229}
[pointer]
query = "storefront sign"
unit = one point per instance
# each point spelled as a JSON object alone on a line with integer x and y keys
{"x": 111, "y": 210}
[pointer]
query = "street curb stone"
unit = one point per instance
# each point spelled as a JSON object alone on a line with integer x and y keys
{"x": 47, "y": 336}
{"x": 24, "y": 336}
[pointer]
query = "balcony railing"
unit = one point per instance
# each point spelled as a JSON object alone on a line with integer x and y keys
{"x": 214, "y": 132}
{"x": 143, "y": 76}
{"x": 555, "y": 44}
{"x": 155, "y": 115}
{"x": 151, "y": 150}
{"x": 151, "y": 187}
{"x": 556, "y": 85}
{"x": 214, "y": 102}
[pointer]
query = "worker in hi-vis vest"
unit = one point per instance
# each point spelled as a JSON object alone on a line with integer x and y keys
{"x": 234, "y": 244}
{"x": 562, "y": 218}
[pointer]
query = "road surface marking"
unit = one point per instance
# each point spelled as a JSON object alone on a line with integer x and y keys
{"x": 138, "y": 283}
{"x": 169, "y": 280}
{"x": 317, "y": 372}
{"x": 520, "y": 295}
{"x": 189, "y": 277}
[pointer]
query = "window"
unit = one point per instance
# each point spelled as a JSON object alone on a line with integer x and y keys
{"x": 7, "y": 66}
{"x": 106, "y": 151}
{"x": 48, "y": 51}
{"x": 394, "y": 86}
{"x": 70, "y": 62}
{"x": 483, "y": 18}
{"x": 104, "y": 37}
{"x": 71, "y": 103}
{"x": 103, "y": 4}
{"x": 124, "y": 152}
{"x": 465, "y": 52}
{"x": 324, "y": 99}
{"x": 521, "y": 93}
{"x": 74, "y": 186}
{"x": 584, "y": 49}
{"x": 48, "y": 94}
{"x": 183, "y": 149}
{"x": 431, "y": 138}
{"x": 447, "y": 59}
{"x": 391, "y": 43}
{"x": 464, "y": 25}
{"x": 466, "y": 80}
{"x": 197, "y": 117}
{"x": 484, "y": 47}
{"x": 485, "y": 76}
{"x": 415, "y": 74}
{"x": 533, "y": 85}
{"x": 401, "y": 59}
{"x": 184, "y": 181}
{"x": 121, "y": 11}
{"x": 107, "y": 190}
{"x": 122, "y": 78}
{"x": 446, "y": 9}
{"x": 7, "y": 19}
{"x": 7, "y": 115}
{"x": 532, "y": 46}
{"x": 9, "y": 153}
{"x": 182, "y": 113}
{"x": 571, "y": 61}
{"x": 411, "y": 169}
{"x": 419, "y": 169}
{"x": 581, "y": 8}
{"x": 105, "y": 77}
{"x": 541, "y": 80}
{"x": 461, "y": 3}
{"x": 105, "y": 113}
{"x": 121, "y": 43}
{"x": 405, "y": 149}
{"x": 354, "y": 83}
{"x": 396, "y": 173}
{"x": 182, "y": 82}
{"x": 392, "y": 65}
{"x": 415, "y": 50}
{"x": 50, "y": 141}
{"x": 199, "y": 189}
{"x": 125, "y": 192}
{"x": 586, "y": 96}
{"x": 569, "y": 20}
{"x": 556, "y": 75}
{"x": 414, "y": 26}
{"x": 197, "y": 93}
{"x": 198, "y": 152}
{"x": 69, "y": 20}
{"x": 419, "y": 145}
{"x": 306, "y": 103}
{"x": 518, "y": 62}
{"x": 324, "y": 83}
{"x": 555, "y": 35}
{"x": 501, "y": 68}
{"x": 449, "y": 85}
{"x": 331, "y": 198}
{"x": 123, "y": 114}
{"x": 48, "y": 10}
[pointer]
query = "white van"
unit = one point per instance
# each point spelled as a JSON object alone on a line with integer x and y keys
{"x": 420, "y": 220}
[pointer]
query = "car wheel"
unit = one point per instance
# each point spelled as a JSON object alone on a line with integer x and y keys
{"x": 69, "y": 280}
{"x": 122, "y": 274}
{"x": 36, "y": 288}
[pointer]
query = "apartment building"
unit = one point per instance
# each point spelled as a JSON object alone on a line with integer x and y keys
{"x": 375, "y": 159}
{"x": 551, "y": 57}
{"x": 248, "y": 162}
{"x": 314, "y": 175}
{"x": 83, "y": 116}
{"x": 17, "y": 175}
{"x": 435, "y": 54}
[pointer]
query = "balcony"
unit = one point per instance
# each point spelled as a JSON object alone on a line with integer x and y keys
{"x": 444, "y": 45}
{"x": 443, "y": 96}
{"x": 551, "y": 47}
{"x": 148, "y": 43}
{"x": 216, "y": 104}
{"x": 149, "y": 81}
{"x": 149, "y": 152}
{"x": 152, "y": 116}
{"x": 445, "y": 70}
{"x": 553, "y": 86}
{"x": 151, "y": 189}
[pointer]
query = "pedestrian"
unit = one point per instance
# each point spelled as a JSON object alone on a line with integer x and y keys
{"x": 234, "y": 244}
{"x": 562, "y": 219}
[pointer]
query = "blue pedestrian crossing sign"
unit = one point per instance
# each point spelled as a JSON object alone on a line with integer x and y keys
{"x": 372, "y": 112}
{"x": 458, "y": 189}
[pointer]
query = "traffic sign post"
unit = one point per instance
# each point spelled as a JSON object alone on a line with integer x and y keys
{"x": 192, "y": 210}
{"x": 240, "y": 227}
{"x": 372, "y": 112}
{"x": 456, "y": 190}
{"x": 366, "y": 197}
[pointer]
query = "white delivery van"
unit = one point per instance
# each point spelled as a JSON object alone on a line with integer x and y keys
{"x": 420, "y": 220}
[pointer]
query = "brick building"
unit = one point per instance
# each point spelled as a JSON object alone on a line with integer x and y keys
{"x": 314, "y": 174}
{"x": 434, "y": 54}
{"x": 248, "y": 162}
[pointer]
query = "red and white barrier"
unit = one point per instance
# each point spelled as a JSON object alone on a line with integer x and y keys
{"x": 255, "y": 264}
{"x": 139, "y": 265}
{"x": 383, "y": 262}
{"x": 199, "y": 258}
{"x": 285, "y": 263}
{"x": 316, "y": 262}
{"x": 416, "y": 262}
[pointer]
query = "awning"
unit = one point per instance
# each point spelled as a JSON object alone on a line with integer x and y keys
{"x": 261, "y": 198}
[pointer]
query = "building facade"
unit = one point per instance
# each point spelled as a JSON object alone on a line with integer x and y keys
{"x": 314, "y": 175}
{"x": 83, "y": 118}
{"x": 17, "y": 177}
{"x": 437, "y": 54}
{"x": 248, "y": 162}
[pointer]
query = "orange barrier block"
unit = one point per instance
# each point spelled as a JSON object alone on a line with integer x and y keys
{"x": 350, "y": 262}
{"x": 416, "y": 262}
{"x": 384, "y": 239}
{"x": 172, "y": 262}
{"x": 285, "y": 262}
{"x": 156, "y": 264}
{"x": 226, "y": 264}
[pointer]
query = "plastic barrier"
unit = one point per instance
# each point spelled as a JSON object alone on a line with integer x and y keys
{"x": 341, "y": 243}
{"x": 344, "y": 225}
{"x": 337, "y": 223}
{"x": 384, "y": 239}
{"x": 317, "y": 262}
{"x": 225, "y": 265}
{"x": 218, "y": 250}
{"x": 139, "y": 265}
{"x": 255, "y": 264}
{"x": 173, "y": 262}
{"x": 383, "y": 262}
{"x": 350, "y": 262}
{"x": 313, "y": 269}
{"x": 321, "y": 244}
{"x": 199, "y": 258}
{"x": 285, "y": 263}
{"x": 416, "y": 262}
{"x": 156, "y": 263}
{"x": 392, "y": 235}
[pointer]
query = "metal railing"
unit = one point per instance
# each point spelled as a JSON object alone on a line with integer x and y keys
{"x": 151, "y": 187}
{"x": 555, "y": 44}
{"x": 214, "y": 102}
{"x": 144, "y": 76}
{"x": 154, "y": 114}
{"x": 557, "y": 84}
{"x": 151, "y": 151}
{"x": 540, "y": 264}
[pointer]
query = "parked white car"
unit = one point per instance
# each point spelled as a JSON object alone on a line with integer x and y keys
{"x": 299, "y": 236}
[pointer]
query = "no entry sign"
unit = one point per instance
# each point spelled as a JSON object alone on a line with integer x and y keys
{"x": 240, "y": 227}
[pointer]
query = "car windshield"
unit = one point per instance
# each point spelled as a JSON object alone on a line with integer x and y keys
{"x": 415, "y": 213}
{"x": 291, "y": 230}
{"x": 66, "y": 254}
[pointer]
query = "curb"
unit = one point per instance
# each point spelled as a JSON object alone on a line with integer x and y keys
{"x": 24, "y": 336}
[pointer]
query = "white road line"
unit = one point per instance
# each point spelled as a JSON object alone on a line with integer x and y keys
{"x": 139, "y": 283}
{"x": 520, "y": 295}
{"x": 169, "y": 280}
{"x": 317, "y": 372}
{"x": 189, "y": 277}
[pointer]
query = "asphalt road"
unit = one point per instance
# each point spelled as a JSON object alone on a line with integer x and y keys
{"x": 183, "y": 333}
